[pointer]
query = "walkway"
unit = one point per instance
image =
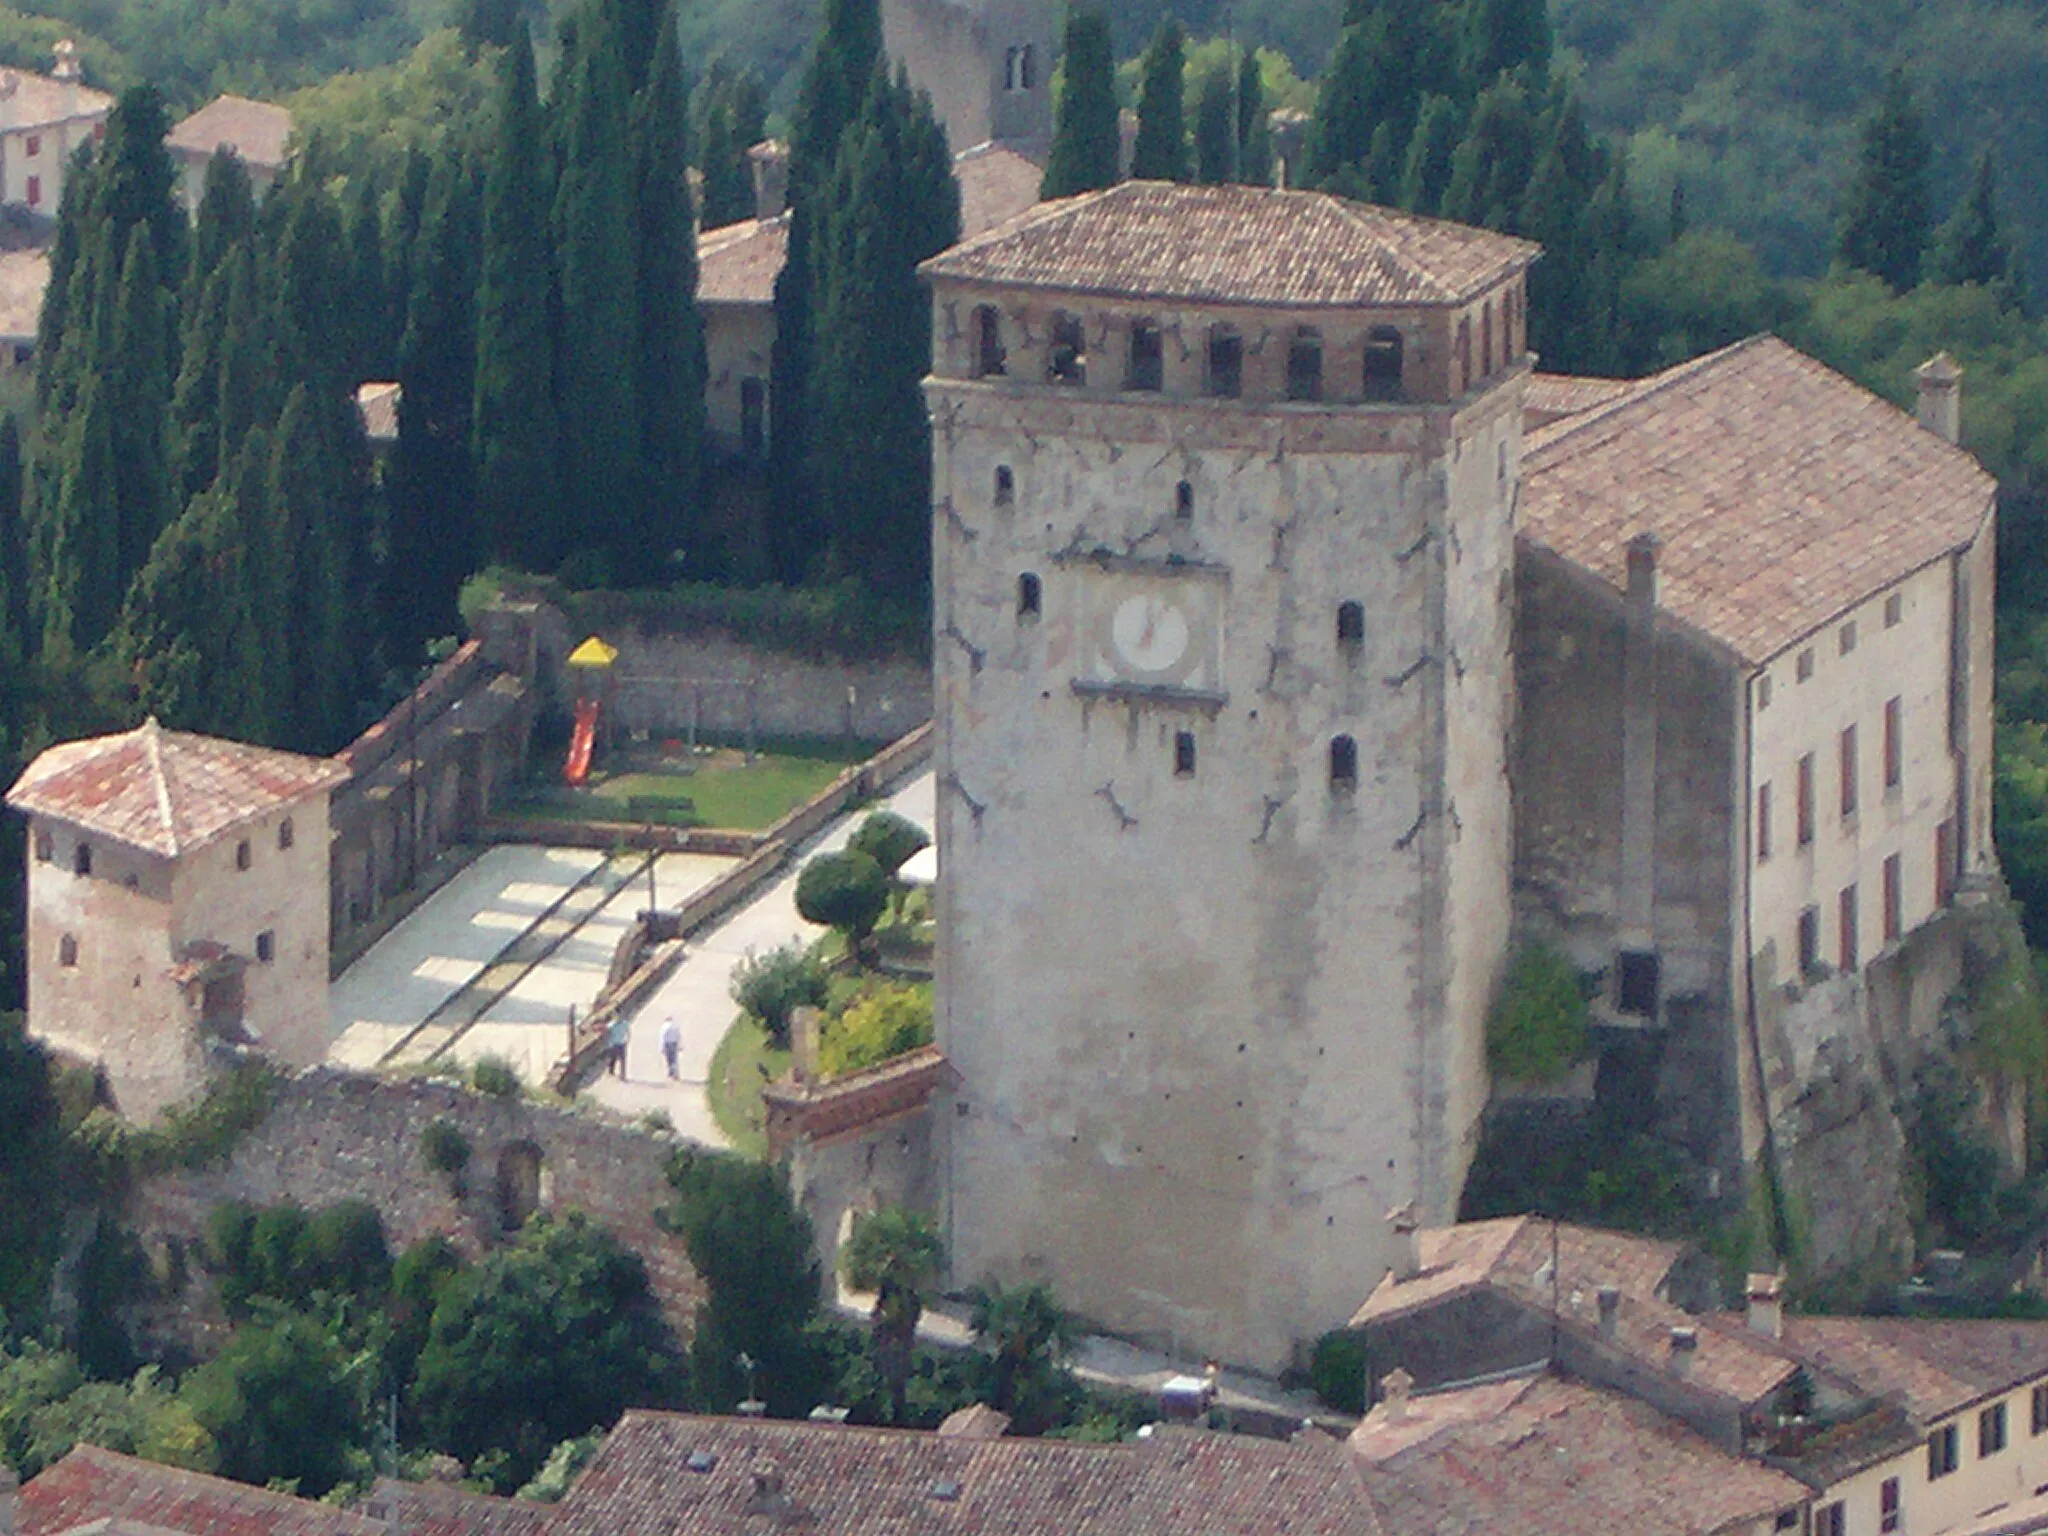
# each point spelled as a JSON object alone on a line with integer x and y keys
{"x": 698, "y": 992}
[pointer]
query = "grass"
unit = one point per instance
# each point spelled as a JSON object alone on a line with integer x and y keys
{"x": 745, "y": 1060}
{"x": 725, "y": 791}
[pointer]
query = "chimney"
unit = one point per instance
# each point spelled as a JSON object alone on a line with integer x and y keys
{"x": 10, "y": 1486}
{"x": 769, "y": 161}
{"x": 1610, "y": 1308}
{"x": 1766, "y": 1305}
{"x": 1941, "y": 397}
{"x": 65, "y": 72}
{"x": 1685, "y": 1343}
{"x": 1394, "y": 1389}
{"x": 1407, "y": 1241}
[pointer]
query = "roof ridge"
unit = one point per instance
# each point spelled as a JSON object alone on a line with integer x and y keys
{"x": 152, "y": 739}
{"x": 1643, "y": 388}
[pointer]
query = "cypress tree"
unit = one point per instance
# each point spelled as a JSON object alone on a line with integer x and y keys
{"x": 488, "y": 24}
{"x": 728, "y": 177}
{"x": 1161, "y": 150}
{"x": 1086, "y": 141}
{"x": 306, "y": 511}
{"x": 251, "y": 390}
{"x": 227, "y": 218}
{"x": 1500, "y": 36}
{"x": 518, "y": 504}
{"x": 1884, "y": 223}
{"x": 633, "y": 29}
{"x": 669, "y": 382}
{"x": 312, "y": 331}
{"x": 81, "y": 585}
{"x": 14, "y": 564}
{"x": 137, "y": 183}
{"x": 372, "y": 354}
{"x": 1341, "y": 135}
{"x": 1254, "y": 128}
{"x": 139, "y": 376}
{"x": 408, "y": 210}
{"x": 1491, "y": 170}
{"x": 74, "y": 223}
{"x": 1970, "y": 247}
{"x": 1216, "y": 126}
{"x": 195, "y": 426}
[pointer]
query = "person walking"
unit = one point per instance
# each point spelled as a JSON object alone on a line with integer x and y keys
{"x": 615, "y": 1037}
{"x": 671, "y": 1044}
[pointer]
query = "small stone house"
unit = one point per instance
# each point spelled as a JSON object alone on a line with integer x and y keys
{"x": 177, "y": 906}
{"x": 43, "y": 121}
{"x": 257, "y": 131}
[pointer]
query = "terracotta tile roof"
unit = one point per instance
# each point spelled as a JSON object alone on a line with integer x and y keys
{"x": 2023, "y": 1517}
{"x": 1544, "y": 1455}
{"x": 1782, "y": 493}
{"x": 996, "y": 184}
{"x": 23, "y": 277}
{"x": 1246, "y": 245}
{"x": 167, "y": 792}
{"x": 377, "y": 403}
{"x": 90, "y": 1484}
{"x": 1933, "y": 1367}
{"x": 738, "y": 263}
{"x": 438, "y": 1509}
{"x": 36, "y": 101}
{"x": 255, "y": 130}
{"x": 1550, "y": 396}
{"x": 878, "y": 1482}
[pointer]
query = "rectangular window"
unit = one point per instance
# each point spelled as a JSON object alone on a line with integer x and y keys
{"x": 1991, "y": 1430}
{"x": 1763, "y": 822}
{"x": 1847, "y": 914}
{"x": 1763, "y": 691}
{"x": 1894, "y": 745}
{"x": 988, "y": 341}
{"x": 1804, "y": 669}
{"x": 46, "y": 847}
{"x": 266, "y": 946}
{"x": 1305, "y": 366}
{"x": 1184, "y": 754}
{"x": 1848, "y": 756}
{"x": 1894, "y": 903}
{"x": 1226, "y": 363}
{"x": 1809, "y": 941}
{"x": 1146, "y": 366}
{"x": 1888, "y": 1514}
{"x": 1943, "y": 1452}
{"x": 2040, "y": 1410}
{"x": 35, "y": 191}
{"x": 1894, "y": 610}
{"x": 1847, "y": 637}
{"x": 35, "y": 145}
{"x": 1944, "y": 863}
{"x": 1830, "y": 1520}
{"x": 1805, "y": 807}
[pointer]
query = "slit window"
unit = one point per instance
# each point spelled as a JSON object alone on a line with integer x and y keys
{"x": 1343, "y": 763}
{"x": 1006, "y": 485}
{"x": 266, "y": 946}
{"x": 1894, "y": 610}
{"x": 1464, "y": 355}
{"x": 1846, "y": 905}
{"x": 1184, "y": 754}
{"x": 1146, "y": 366}
{"x": 1894, "y": 745}
{"x": 1486, "y": 340}
{"x": 242, "y": 854}
{"x": 1763, "y": 822}
{"x": 67, "y": 951}
{"x": 81, "y": 859}
{"x": 1351, "y": 623}
{"x": 1894, "y": 911}
{"x": 1809, "y": 941}
{"x": 46, "y": 847}
{"x": 1184, "y": 500}
{"x": 1030, "y": 596}
{"x": 1305, "y": 365}
{"x": 1805, "y": 807}
{"x": 1848, "y": 771}
{"x": 285, "y": 833}
{"x": 988, "y": 341}
{"x": 1066, "y": 355}
{"x": 1226, "y": 363}
{"x": 1383, "y": 364}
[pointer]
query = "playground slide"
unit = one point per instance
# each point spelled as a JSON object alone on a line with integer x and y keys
{"x": 577, "y": 768}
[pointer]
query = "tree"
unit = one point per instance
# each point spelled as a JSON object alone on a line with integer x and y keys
{"x": 845, "y": 890}
{"x": 1345, "y": 113}
{"x": 897, "y": 1254}
{"x": 1884, "y": 221}
{"x": 281, "y": 1401}
{"x": 544, "y": 1339}
{"x": 311, "y": 525}
{"x": 1027, "y": 1336}
{"x": 728, "y": 173}
{"x": 1503, "y": 35}
{"x": 1254, "y": 125}
{"x": 31, "y": 1144}
{"x": 1971, "y": 247}
{"x": 773, "y": 986}
{"x": 513, "y": 417}
{"x": 753, "y": 1249}
{"x": 1161, "y": 150}
{"x": 141, "y": 367}
{"x": 226, "y": 221}
{"x": 1216, "y": 126}
{"x": 1086, "y": 143}
{"x": 881, "y": 1026}
{"x": 889, "y": 839}
{"x": 490, "y": 24}
{"x": 1491, "y": 170}
{"x": 1426, "y": 176}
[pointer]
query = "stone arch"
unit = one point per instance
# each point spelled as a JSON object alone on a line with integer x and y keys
{"x": 518, "y": 1185}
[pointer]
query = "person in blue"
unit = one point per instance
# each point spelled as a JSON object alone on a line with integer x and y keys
{"x": 615, "y": 1037}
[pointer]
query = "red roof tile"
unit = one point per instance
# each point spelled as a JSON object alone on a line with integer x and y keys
{"x": 90, "y": 1484}
{"x": 996, "y": 184}
{"x": 167, "y": 792}
{"x": 738, "y": 263}
{"x": 1931, "y": 1366}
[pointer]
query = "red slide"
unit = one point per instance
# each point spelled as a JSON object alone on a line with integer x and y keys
{"x": 577, "y": 768}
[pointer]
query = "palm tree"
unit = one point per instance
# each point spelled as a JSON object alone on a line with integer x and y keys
{"x": 898, "y": 1255}
{"x": 1027, "y": 1336}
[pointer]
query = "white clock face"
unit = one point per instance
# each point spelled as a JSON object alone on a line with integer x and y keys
{"x": 1150, "y": 633}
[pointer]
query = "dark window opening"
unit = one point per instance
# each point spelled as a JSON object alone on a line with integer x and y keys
{"x": 1848, "y": 755}
{"x": 1343, "y": 763}
{"x": 988, "y": 341}
{"x": 1846, "y": 942}
{"x": 1027, "y": 68}
{"x": 1831, "y": 1520}
{"x": 46, "y": 847}
{"x": 753, "y": 417}
{"x": 1763, "y": 822}
{"x": 2040, "y": 1417}
{"x": 518, "y": 1184}
{"x": 81, "y": 859}
{"x": 1184, "y": 500}
{"x": 242, "y": 854}
{"x": 1147, "y": 362}
{"x": 1639, "y": 981}
{"x": 1030, "y": 595}
{"x": 1991, "y": 1430}
{"x": 1464, "y": 355}
{"x": 1888, "y": 1512}
{"x": 1944, "y": 863}
{"x": 1486, "y": 341}
{"x": 1943, "y": 1452}
{"x": 1350, "y": 623}
{"x": 1006, "y": 485}
{"x": 1893, "y": 913}
{"x": 1809, "y": 941}
{"x": 1184, "y": 754}
{"x": 67, "y": 951}
{"x": 1894, "y": 610}
{"x": 1383, "y": 364}
{"x": 285, "y": 833}
{"x": 266, "y": 946}
{"x": 1066, "y": 355}
{"x": 1805, "y": 807}
{"x": 1894, "y": 744}
{"x": 1305, "y": 365}
{"x": 1226, "y": 363}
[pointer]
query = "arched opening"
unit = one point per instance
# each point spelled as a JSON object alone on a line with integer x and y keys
{"x": 1226, "y": 362}
{"x": 1146, "y": 365}
{"x": 285, "y": 833}
{"x": 1066, "y": 355}
{"x": 1383, "y": 364}
{"x": 518, "y": 1184}
{"x": 243, "y": 856}
{"x": 988, "y": 341}
{"x": 1006, "y": 485}
{"x": 1305, "y": 365}
{"x": 1343, "y": 763}
{"x": 1350, "y": 623}
{"x": 1030, "y": 595}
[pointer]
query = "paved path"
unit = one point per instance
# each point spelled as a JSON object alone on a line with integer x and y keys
{"x": 698, "y": 992}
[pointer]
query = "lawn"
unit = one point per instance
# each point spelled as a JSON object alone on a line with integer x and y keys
{"x": 744, "y": 1061}
{"x": 725, "y": 791}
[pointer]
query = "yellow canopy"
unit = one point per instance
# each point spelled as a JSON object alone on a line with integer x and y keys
{"x": 593, "y": 653}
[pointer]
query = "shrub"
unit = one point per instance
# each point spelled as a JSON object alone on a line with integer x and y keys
{"x": 445, "y": 1149}
{"x": 889, "y": 839}
{"x": 847, "y": 891}
{"x": 884, "y": 1024}
{"x": 494, "y": 1075}
{"x": 1337, "y": 1370}
{"x": 773, "y": 986}
{"x": 1537, "y": 1028}
{"x": 280, "y": 1401}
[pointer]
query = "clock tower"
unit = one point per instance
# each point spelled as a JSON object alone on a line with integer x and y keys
{"x": 1223, "y": 491}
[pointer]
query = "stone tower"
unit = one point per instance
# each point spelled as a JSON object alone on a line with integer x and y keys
{"x": 987, "y": 63}
{"x": 1224, "y": 483}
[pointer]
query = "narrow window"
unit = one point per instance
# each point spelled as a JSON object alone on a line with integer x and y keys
{"x": 1942, "y": 1452}
{"x": 1894, "y": 610}
{"x": 1805, "y": 806}
{"x": 1763, "y": 691}
{"x": 1846, "y": 912}
{"x": 1066, "y": 355}
{"x": 35, "y": 191}
{"x": 753, "y": 417}
{"x": 1848, "y": 755}
{"x": 1350, "y": 623}
{"x": 1184, "y": 754}
{"x": 1486, "y": 340}
{"x": 81, "y": 859}
{"x": 35, "y": 144}
{"x": 1809, "y": 941}
{"x": 2040, "y": 1415}
{"x": 1830, "y": 1520}
{"x": 1805, "y": 665}
{"x": 1030, "y": 595}
{"x": 1226, "y": 362}
{"x": 1305, "y": 365}
{"x": 1146, "y": 366}
{"x": 46, "y": 847}
{"x": 1763, "y": 822}
{"x": 1343, "y": 763}
{"x": 988, "y": 341}
{"x": 1846, "y": 638}
{"x": 67, "y": 951}
{"x": 285, "y": 833}
{"x": 1944, "y": 863}
{"x": 1894, "y": 923}
{"x": 1383, "y": 364}
{"x": 242, "y": 854}
{"x": 1027, "y": 68}
{"x": 1006, "y": 485}
{"x": 1894, "y": 745}
{"x": 1991, "y": 1430}
{"x": 266, "y": 946}
{"x": 1009, "y": 69}
{"x": 1888, "y": 1513}
{"x": 1464, "y": 355}
{"x": 1184, "y": 500}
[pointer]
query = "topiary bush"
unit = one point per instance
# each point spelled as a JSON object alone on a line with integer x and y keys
{"x": 1537, "y": 1028}
{"x": 845, "y": 890}
{"x": 883, "y": 1024}
{"x": 889, "y": 839}
{"x": 773, "y": 986}
{"x": 1337, "y": 1370}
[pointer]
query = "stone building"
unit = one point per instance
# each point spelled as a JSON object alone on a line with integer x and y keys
{"x": 43, "y": 121}
{"x": 177, "y": 906}
{"x": 257, "y": 131}
{"x": 987, "y": 63}
{"x": 1224, "y": 482}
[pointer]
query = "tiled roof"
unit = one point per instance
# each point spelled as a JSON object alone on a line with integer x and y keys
{"x": 166, "y": 792}
{"x": 996, "y": 184}
{"x": 1542, "y": 1455}
{"x": 1933, "y": 1367}
{"x": 1553, "y": 395}
{"x": 23, "y": 277}
{"x": 1782, "y": 493}
{"x": 738, "y": 263}
{"x": 438, "y": 1509}
{"x": 36, "y": 101}
{"x": 1231, "y": 244}
{"x": 877, "y": 1482}
{"x": 255, "y": 130}
{"x": 90, "y": 1484}
{"x": 377, "y": 403}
